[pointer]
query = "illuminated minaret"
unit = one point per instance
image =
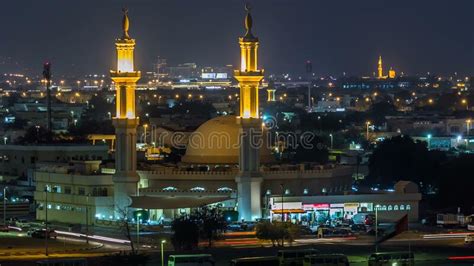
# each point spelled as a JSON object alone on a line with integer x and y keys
{"x": 249, "y": 179}
{"x": 271, "y": 91}
{"x": 125, "y": 78}
{"x": 380, "y": 68}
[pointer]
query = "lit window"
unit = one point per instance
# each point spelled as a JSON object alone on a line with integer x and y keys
{"x": 269, "y": 192}
{"x": 384, "y": 208}
{"x": 197, "y": 189}
{"x": 170, "y": 189}
{"x": 224, "y": 189}
{"x": 408, "y": 207}
{"x": 58, "y": 207}
{"x": 287, "y": 192}
{"x": 389, "y": 207}
{"x": 305, "y": 191}
{"x": 49, "y": 206}
{"x": 402, "y": 207}
{"x": 395, "y": 208}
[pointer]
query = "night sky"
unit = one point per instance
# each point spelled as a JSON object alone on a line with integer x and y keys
{"x": 413, "y": 36}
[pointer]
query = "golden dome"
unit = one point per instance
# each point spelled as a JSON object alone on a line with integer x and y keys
{"x": 217, "y": 142}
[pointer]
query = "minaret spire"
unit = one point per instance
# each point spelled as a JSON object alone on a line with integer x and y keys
{"x": 248, "y": 23}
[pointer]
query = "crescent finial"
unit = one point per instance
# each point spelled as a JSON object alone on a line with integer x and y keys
{"x": 125, "y": 23}
{"x": 248, "y": 20}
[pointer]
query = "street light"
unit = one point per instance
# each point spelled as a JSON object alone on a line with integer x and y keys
{"x": 138, "y": 230}
{"x": 367, "y": 129}
{"x": 46, "y": 222}
{"x": 145, "y": 126}
{"x": 376, "y": 227}
{"x": 282, "y": 197}
{"x": 464, "y": 101}
{"x": 5, "y": 206}
{"x": 468, "y": 126}
{"x": 162, "y": 253}
{"x": 330, "y": 135}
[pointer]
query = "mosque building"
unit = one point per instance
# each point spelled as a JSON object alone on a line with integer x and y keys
{"x": 227, "y": 164}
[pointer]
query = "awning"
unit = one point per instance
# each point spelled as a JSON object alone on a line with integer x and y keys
{"x": 279, "y": 211}
{"x": 173, "y": 202}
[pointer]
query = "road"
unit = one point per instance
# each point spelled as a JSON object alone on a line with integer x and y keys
{"x": 433, "y": 250}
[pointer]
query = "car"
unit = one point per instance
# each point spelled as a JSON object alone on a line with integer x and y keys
{"x": 4, "y": 229}
{"x": 42, "y": 233}
{"x": 469, "y": 239}
{"x": 359, "y": 228}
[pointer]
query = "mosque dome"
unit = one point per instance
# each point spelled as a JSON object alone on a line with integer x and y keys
{"x": 217, "y": 142}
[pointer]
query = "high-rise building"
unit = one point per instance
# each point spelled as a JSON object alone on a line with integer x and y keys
{"x": 125, "y": 78}
{"x": 249, "y": 77}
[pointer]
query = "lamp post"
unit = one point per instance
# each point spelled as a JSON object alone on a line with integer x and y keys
{"x": 282, "y": 200}
{"x": 468, "y": 126}
{"x": 367, "y": 130}
{"x": 87, "y": 218}
{"x": 162, "y": 253}
{"x": 46, "y": 222}
{"x": 330, "y": 135}
{"x": 145, "y": 126}
{"x": 376, "y": 227}
{"x": 5, "y": 206}
{"x": 138, "y": 230}
{"x": 429, "y": 140}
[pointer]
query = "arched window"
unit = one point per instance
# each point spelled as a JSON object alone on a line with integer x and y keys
{"x": 197, "y": 189}
{"x": 395, "y": 208}
{"x": 224, "y": 189}
{"x": 389, "y": 208}
{"x": 170, "y": 189}
{"x": 408, "y": 207}
{"x": 402, "y": 207}
{"x": 305, "y": 191}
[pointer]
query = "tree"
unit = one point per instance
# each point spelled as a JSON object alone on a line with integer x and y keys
{"x": 456, "y": 183}
{"x": 401, "y": 158}
{"x": 277, "y": 232}
{"x": 212, "y": 223}
{"x": 186, "y": 233}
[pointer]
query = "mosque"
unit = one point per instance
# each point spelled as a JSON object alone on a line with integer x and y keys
{"x": 222, "y": 166}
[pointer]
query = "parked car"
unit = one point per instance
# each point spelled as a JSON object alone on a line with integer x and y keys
{"x": 359, "y": 228}
{"x": 42, "y": 233}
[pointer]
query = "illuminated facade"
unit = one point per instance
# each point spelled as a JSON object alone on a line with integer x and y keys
{"x": 392, "y": 74}
{"x": 249, "y": 76}
{"x": 125, "y": 77}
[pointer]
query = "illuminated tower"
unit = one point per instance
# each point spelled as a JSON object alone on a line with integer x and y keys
{"x": 380, "y": 68}
{"x": 249, "y": 179}
{"x": 125, "y": 122}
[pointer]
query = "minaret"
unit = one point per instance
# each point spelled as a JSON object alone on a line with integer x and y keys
{"x": 125, "y": 122}
{"x": 249, "y": 179}
{"x": 271, "y": 91}
{"x": 380, "y": 68}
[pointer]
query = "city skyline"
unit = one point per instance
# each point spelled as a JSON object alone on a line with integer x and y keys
{"x": 408, "y": 35}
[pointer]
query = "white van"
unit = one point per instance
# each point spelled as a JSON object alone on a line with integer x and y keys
{"x": 191, "y": 260}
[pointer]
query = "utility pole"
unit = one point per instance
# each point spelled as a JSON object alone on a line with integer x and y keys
{"x": 309, "y": 70}
{"x": 5, "y": 206}
{"x": 46, "y": 233}
{"x": 47, "y": 77}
